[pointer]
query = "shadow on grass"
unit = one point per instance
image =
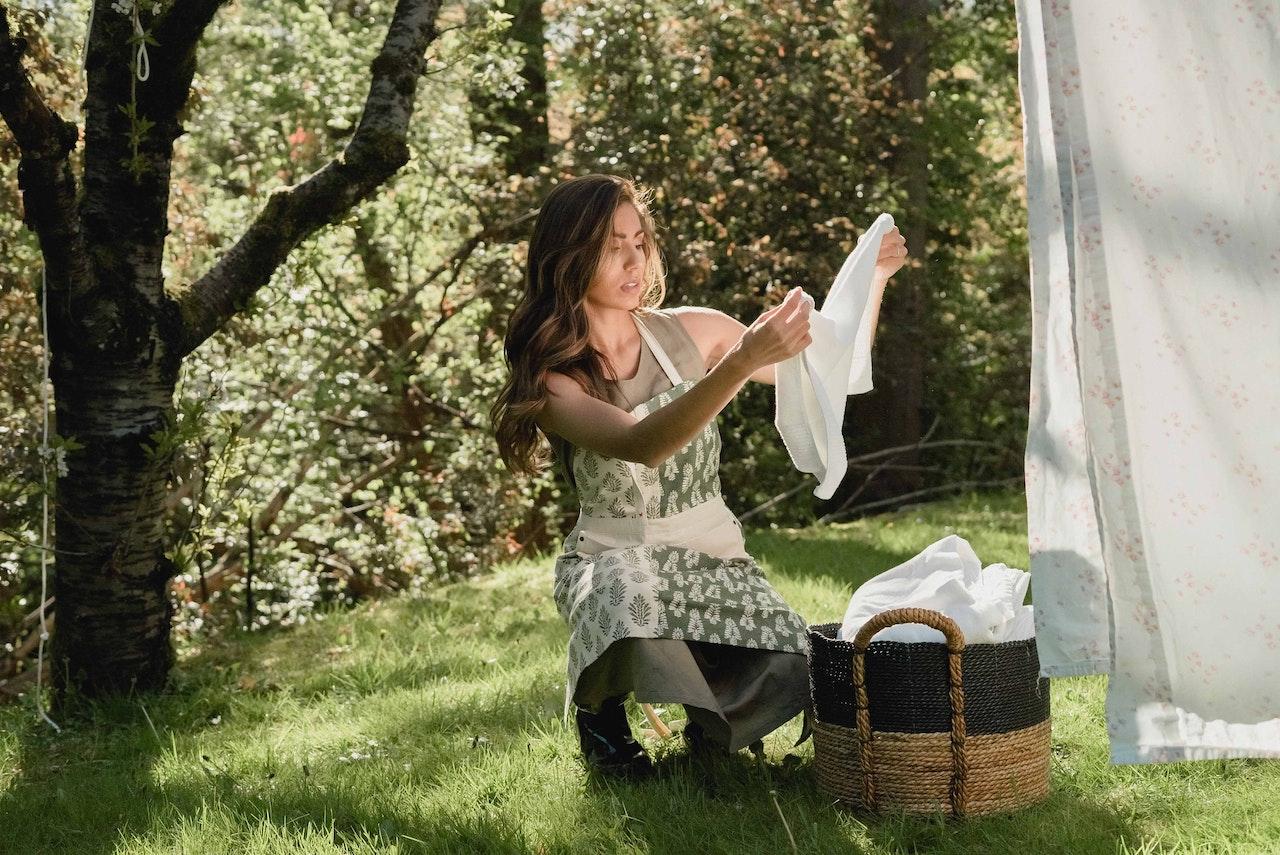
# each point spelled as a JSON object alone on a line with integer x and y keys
{"x": 774, "y": 803}
{"x": 71, "y": 790}
{"x": 98, "y": 800}
{"x": 838, "y": 558}
{"x": 482, "y": 752}
{"x": 86, "y": 789}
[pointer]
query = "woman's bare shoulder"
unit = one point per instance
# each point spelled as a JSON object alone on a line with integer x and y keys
{"x": 560, "y": 384}
{"x": 711, "y": 329}
{"x": 697, "y": 321}
{"x": 563, "y": 392}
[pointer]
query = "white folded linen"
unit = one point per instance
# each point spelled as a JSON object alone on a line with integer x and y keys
{"x": 811, "y": 387}
{"x": 985, "y": 602}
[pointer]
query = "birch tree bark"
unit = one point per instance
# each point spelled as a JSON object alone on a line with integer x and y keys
{"x": 117, "y": 337}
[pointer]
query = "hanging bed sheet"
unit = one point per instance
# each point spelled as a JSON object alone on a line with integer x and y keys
{"x": 1152, "y": 143}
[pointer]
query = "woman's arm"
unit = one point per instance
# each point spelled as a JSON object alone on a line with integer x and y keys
{"x": 877, "y": 294}
{"x": 715, "y": 332}
{"x": 589, "y": 422}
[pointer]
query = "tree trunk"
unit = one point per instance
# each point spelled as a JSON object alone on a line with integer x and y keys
{"x": 117, "y": 337}
{"x": 523, "y": 120}
{"x": 892, "y": 414}
{"x": 111, "y": 584}
{"x": 114, "y": 374}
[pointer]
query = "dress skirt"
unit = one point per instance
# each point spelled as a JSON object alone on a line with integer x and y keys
{"x": 737, "y": 694}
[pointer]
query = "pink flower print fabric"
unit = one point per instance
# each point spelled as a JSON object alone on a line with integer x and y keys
{"x": 1153, "y": 456}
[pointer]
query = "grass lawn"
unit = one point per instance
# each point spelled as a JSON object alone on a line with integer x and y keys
{"x": 432, "y": 725}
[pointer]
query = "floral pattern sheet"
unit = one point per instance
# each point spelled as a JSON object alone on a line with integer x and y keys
{"x": 1153, "y": 458}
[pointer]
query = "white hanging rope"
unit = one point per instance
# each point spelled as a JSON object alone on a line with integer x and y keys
{"x": 141, "y": 57}
{"x": 44, "y": 468}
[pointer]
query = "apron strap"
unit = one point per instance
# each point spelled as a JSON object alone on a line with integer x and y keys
{"x": 672, "y": 374}
{"x": 661, "y": 355}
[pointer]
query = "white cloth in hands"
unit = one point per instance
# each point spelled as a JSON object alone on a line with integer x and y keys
{"x": 811, "y": 387}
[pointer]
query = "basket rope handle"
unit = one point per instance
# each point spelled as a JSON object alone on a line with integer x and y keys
{"x": 959, "y": 792}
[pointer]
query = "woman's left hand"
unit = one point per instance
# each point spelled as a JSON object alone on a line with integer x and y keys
{"x": 893, "y": 254}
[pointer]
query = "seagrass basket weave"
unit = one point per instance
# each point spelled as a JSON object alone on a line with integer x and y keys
{"x": 928, "y": 727}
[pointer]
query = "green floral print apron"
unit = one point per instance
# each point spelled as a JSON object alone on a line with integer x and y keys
{"x": 656, "y": 553}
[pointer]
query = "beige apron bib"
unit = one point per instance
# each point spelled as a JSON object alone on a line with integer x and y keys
{"x": 709, "y": 526}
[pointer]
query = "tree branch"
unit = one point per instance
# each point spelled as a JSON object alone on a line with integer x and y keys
{"x": 395, "y": 359}
{"x": 853, "y": 462}
{"x": 375, "y": 152}
{"x": 866, "y": 482}
{"x": 45, "y": 177}
{"x": 927, "y": 491}
{"x": 182, "y": 25}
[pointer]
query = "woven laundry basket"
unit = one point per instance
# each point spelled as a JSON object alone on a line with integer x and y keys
{"x": 928, "y": 727}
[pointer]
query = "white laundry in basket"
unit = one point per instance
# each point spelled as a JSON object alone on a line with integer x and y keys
{"x": 985, "y": 602}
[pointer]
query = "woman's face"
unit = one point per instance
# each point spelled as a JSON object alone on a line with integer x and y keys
{"x": 618, "y": 280}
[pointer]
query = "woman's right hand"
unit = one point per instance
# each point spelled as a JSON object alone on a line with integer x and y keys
{"x": 779, "y": 333}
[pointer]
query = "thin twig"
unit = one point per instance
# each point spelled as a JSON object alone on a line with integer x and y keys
{"x": 863, "y": 458}
{"x": 959, "y": 485}
{"x": 773, "y": 794}
{"x": 16, "y": 537}
{"x": 866, "y": 482}
{"x": 658, "y": 725}
{"x": 894, "y": 467}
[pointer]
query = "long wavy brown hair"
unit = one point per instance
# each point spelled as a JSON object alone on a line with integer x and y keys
{"x": 548, "y": 329}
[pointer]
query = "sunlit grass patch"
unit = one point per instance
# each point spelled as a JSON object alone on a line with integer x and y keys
{"x": 433, "y": 725}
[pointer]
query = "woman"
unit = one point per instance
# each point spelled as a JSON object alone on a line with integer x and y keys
{"x": 661, "y": 598}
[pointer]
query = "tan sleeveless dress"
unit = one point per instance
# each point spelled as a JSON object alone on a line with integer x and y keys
{"x": 736, "y": 693}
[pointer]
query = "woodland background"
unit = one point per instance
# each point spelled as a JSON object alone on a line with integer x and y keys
{"x": 343, "y": 413}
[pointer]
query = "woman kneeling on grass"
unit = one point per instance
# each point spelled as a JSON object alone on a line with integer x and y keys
{"x": 661, "y": 598}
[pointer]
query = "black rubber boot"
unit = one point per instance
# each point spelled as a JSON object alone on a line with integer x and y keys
{"x": 607, "y": 743}
{"x": 701, "y": 745}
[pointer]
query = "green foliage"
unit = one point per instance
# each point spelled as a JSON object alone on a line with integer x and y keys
{"x": 21, "y": 423}
{"x": 762, "y": 126}
{"x": 368, "y": 381}
{"x": 346, "y": 406}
